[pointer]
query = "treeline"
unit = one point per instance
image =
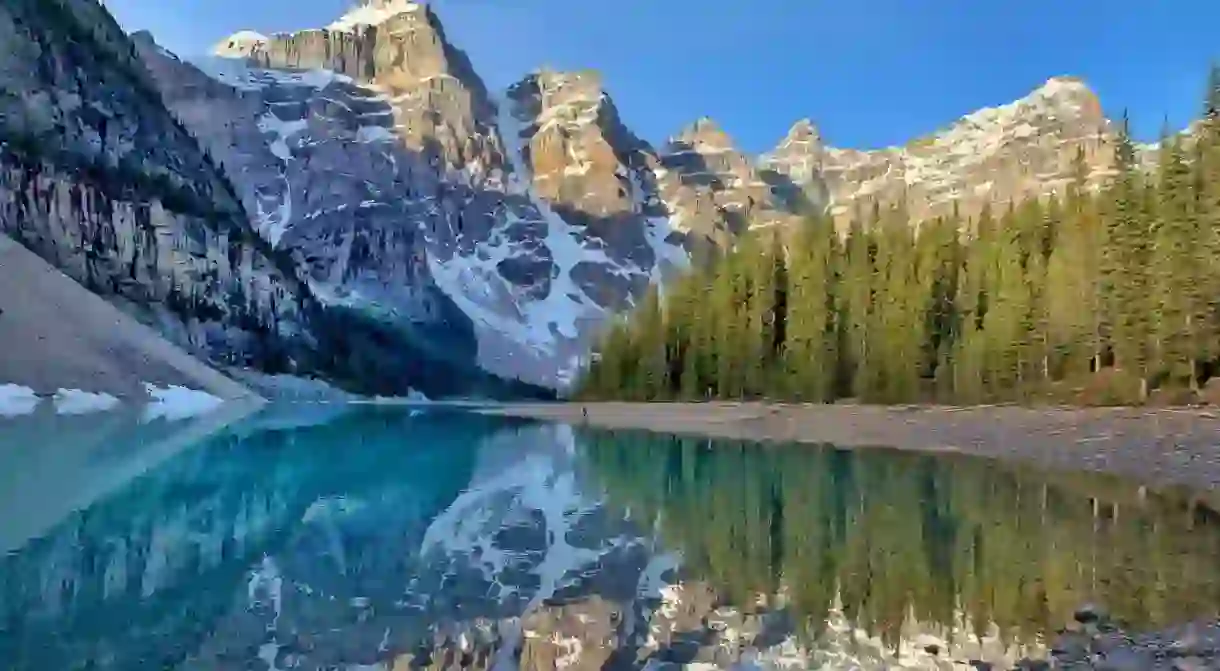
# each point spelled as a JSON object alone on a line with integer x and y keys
{"x": 1088, "y": 297}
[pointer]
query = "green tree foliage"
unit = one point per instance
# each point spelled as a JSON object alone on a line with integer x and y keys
{"x": 1105, "y": 292}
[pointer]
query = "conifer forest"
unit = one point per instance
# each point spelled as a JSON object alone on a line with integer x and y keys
{"x": 1105, "y": 295}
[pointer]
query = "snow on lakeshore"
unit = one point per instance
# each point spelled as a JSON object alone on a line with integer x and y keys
{"x": 174, "y": 403}
{"x": 16, "y": 400}
{"x": 412, "y": 396}
{"x": 77, "y": 402}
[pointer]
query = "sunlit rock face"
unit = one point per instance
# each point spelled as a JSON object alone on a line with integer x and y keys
{"x": 489, "y": 545}
{"x": 180, "y": 213}
{"x": 373, "y": 153}
{"x": 512, "y": 224}
{"x": 1024, "y": 149}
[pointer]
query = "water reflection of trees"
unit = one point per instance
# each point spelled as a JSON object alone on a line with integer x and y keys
{"x": 901, "y": 533}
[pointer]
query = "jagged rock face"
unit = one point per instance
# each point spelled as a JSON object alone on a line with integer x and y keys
{"x": 598, "y": 177}
{"x": 440, "y": 105}
{"x": 313, "y": 157}
{"x": 506, "y": 228}
{"x": 100, "y": 181}
{"x": 992, "y": 156}
{"x": 794, "y": 169}
{"x": 372, "y": 153}
{"x": 104, "y": 182}
{"x": 715, "y": 189}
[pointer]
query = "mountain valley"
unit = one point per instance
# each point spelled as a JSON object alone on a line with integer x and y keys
{"x": 353, "y": 203}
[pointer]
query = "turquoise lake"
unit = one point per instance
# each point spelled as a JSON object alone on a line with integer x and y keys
{"x": 381, "y": 537}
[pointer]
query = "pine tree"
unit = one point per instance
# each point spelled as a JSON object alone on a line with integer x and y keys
{"x": 1004, "y": 325}
{"x": 936, "y": 269}
{"x": 1177, "y": 270}
{"x": 761, "y": 307}
{"x": 899, "y": 323}
{"x": 1073, "y": 281}
{"x": 858, "y": 312}
{"x": 1206, "y": 184}
{"x": 648, "y": 333}
{"x": 810, "y": 351}
{"x": 1125, "y": 267}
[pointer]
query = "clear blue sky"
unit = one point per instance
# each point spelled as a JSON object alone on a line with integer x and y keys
{"x": 870, "y": 73}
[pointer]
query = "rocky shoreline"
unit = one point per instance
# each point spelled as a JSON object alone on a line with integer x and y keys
{"x": 1156, "y": 446}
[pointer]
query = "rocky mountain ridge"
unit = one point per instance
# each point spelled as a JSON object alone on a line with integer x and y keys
{"x": 372, "y": 153}
{"x": 380, "y": 178}
{"x": 536, "y": 212}
{"x": 1024, "y": 149}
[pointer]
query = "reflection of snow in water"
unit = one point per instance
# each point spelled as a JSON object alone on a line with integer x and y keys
{"x": 266, "y": 586}
{"x": 536, "y": 482}
{"x": 16, "y": 400}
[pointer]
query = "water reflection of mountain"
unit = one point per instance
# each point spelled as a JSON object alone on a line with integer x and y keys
{"x": 140, "y": 578}
{"x": 900, "y": 535}
{"x": 380, "y": 539}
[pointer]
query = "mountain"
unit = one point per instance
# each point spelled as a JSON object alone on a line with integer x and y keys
{"x": 1021, "y": 150}
{"x": 109, "y": 186}
{"x": 374, "y": 154}
{"x": 395, "y": 222}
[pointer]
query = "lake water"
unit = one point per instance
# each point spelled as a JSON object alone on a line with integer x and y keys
{"x": 369, "y": 537}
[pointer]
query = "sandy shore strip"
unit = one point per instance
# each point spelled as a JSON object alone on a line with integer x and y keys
{"x": 1158, "y": 446}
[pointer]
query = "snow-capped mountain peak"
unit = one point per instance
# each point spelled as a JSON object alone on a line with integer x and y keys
{"x": 241, "y": 44}
{"x": 373, "y": 12}
{"x": 409, "y": 191}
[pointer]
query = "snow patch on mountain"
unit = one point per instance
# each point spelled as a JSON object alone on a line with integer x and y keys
{"x": 372, "y": 13}
{"x": 668, "y": 255}
{"x": 240, "y": 44}
{"x": 239, "y": 74}
{"x": 478, "y": 288}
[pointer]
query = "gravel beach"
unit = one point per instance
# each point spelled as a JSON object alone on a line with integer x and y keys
{"x": 1155, "y": 446}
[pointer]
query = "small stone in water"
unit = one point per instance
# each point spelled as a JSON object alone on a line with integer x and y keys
{"x": 1089, "y": 613}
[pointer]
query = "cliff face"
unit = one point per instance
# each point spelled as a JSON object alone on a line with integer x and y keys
{"x": 101, "y": 182}
{"x": 372, "y": 154}
{"x": 100, "y": 179}
{"x": 502, "y": 228}
{"x": 716, "y": 189}
{"x": 992, "y": 156}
